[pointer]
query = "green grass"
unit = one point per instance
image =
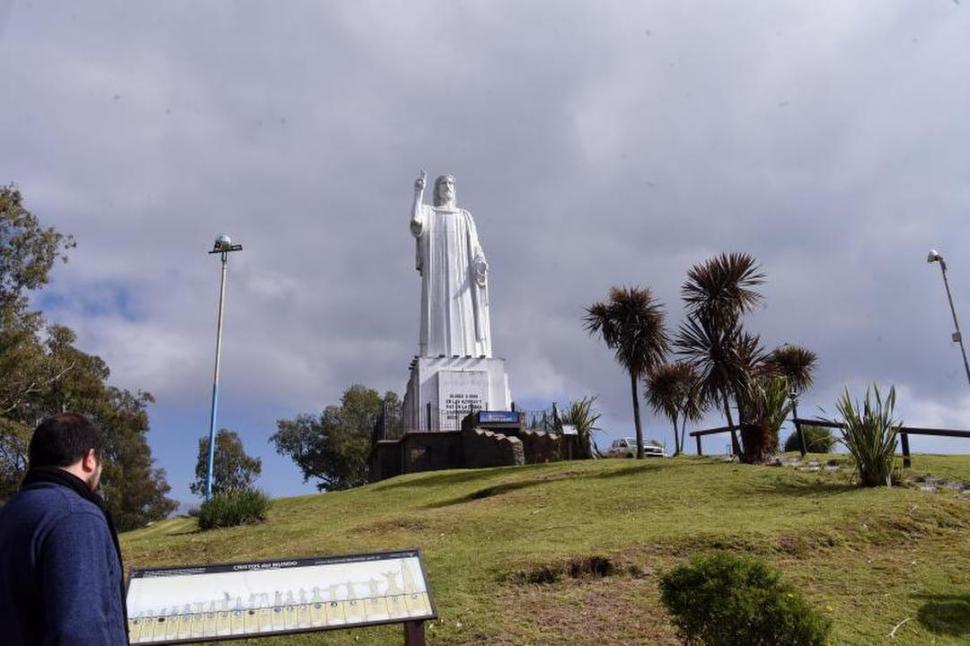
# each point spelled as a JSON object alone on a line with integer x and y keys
{"x": 868, "y": 558}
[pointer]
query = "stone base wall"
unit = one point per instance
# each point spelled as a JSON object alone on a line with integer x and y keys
{"x": 385, "y": 460}
{"x": 540, "y": 446}
{"x": 481, "y": 448}
{"x": 432, "y": 451}
{"x": 472, "y": 447}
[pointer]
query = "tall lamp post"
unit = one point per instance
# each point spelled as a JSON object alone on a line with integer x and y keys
{"x": 223, "y": 246}
{"x": 793, "y": 394}
{"x": 934, "y": 256}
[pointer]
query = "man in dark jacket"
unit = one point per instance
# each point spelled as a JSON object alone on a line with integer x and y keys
{"x": 60, "y": 563}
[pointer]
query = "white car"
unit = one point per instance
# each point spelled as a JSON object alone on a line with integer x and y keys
{"x": 626, "y": 447}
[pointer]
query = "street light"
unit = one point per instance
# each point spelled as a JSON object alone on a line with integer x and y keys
{"x": 934, "y": 256}
{"x": 793, "y": 395}
{"x": 222, "y": 246}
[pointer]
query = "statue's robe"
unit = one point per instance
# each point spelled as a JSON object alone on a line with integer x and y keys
{"x": 454, "y": 284}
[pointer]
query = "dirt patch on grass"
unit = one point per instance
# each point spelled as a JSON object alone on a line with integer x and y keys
{"x": 580, "y": 567}
{"x": 398, "y": 525}
{"x": 585, "y": 610}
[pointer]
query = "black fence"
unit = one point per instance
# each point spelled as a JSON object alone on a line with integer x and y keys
{"x": 904, "y": 433}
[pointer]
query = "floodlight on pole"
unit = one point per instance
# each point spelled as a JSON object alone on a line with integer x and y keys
{"x": 222, "y": 246}
{"x": 934, "y": 256}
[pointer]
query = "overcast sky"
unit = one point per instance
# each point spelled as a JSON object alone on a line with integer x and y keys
{"x": 596, "y": 144}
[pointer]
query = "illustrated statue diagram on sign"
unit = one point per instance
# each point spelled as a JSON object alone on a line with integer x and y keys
{"x": 339, "y": 594}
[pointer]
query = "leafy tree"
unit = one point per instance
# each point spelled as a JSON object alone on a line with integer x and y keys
{"x": 631, "y": 323}
{"x": 712, "y": 339}
{"x": 674, "y": 390}
{"x": 135, "y": 490}
{"x": 27, "y": 250}
{"x": 583, "y": 415}
{"x": 333, "y": 446}
{"x": 42, "y": 372}
{"x": 232, "y": 469}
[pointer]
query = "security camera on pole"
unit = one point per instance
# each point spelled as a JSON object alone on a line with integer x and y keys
{"x": 934, "y": 256}
{"x": 223, "y": 246}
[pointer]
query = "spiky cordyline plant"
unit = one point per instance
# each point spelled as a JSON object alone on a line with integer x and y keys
{"x": 717, "y": 292}
{"x": 722, "y": 288}
{"x": 870, "y": 435}
{"x": 631, "y": 323}
{"x": 794, "y": 363}
{"x": 582, "y": 414}
{"x": 766, "y": 406}
{"x": 674, "y": 390}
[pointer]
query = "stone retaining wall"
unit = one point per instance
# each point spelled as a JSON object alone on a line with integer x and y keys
{"x": 540, "y": 446}
{"x": 481, "y": 448}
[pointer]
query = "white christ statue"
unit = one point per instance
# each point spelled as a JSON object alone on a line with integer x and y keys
{"x": 454, "y": 275}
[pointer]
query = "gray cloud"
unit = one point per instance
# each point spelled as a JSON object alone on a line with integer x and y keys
{"x": 595, "y": 144}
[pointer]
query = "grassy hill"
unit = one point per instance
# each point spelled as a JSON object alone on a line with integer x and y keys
{"x": 506, "y": 549}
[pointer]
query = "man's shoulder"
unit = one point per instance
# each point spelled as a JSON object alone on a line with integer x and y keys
{"x": 50, "y": 499}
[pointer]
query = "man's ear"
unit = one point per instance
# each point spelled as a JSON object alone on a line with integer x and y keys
{"x": 90, "y": 461}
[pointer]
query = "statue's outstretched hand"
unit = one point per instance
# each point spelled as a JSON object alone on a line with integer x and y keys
{"x": 420, "y": 182}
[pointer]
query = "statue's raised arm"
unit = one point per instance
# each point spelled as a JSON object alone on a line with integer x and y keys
{"x": 417, "y": 210}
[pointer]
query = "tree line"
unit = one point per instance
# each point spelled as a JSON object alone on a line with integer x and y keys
{"x": 719, "y": 363}
{"x": 43, "y": 372}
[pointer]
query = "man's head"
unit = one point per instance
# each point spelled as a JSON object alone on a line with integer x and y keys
{"x": 71, "y": 442}
{"x": 444, "y": 191}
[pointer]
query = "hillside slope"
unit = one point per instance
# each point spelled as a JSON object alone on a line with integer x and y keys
{"x": 498, "y": 543}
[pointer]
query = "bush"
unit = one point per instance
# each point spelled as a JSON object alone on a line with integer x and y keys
{"x": 238, "y": 507}
{"x": 767, "y": 404}
{"x": 818, "y": 438}
{"x": 870, "y": 435}
{"x": 723, "y": 600}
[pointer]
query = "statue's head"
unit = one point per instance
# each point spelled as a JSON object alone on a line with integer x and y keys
{"x": 444, "y": 190}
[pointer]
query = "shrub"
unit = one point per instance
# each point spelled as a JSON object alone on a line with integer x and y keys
{"x": 818, "y": 438}
{"x": 237, "y": 507}
{"x": 723, "y": 600}
{"x": 870, "y": 435}
{"x": 767, "y": 404}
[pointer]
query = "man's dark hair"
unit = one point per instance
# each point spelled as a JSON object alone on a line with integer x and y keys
{"x": 63, "y": 439}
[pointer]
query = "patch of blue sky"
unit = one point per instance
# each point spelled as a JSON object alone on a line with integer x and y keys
{"x": 102, "y": 299}
{"x": 176, "y": 430}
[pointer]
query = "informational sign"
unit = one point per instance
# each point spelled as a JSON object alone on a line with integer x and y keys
{"x": 498, "y": 417}
{"x": 239, "y": 600}
{"x": 569, "y": 429}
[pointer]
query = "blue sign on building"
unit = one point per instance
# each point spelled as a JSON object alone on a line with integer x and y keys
{"x": 498, "y": 416}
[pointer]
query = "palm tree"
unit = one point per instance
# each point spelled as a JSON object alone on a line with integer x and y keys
{"x": 721, "y": 288}
{"x": 717, "y": 292}
{"x": 766, "y": 406}
{"x": 631, "y": 323}
{"x": 673, "y": 390}
{"x": 796, "y": 365}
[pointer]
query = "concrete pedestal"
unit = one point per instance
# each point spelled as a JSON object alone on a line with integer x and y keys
{"x": 450, "y": 387}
